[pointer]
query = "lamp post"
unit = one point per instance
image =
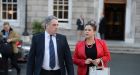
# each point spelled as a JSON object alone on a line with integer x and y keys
{"x": 25, "y": 33}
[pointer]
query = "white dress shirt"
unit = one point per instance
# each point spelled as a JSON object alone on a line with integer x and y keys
{"x": 47, "y": 54}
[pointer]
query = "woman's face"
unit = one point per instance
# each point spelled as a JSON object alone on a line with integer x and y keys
{"x": 6, "y": 28}
{"x": 89, "y": 32}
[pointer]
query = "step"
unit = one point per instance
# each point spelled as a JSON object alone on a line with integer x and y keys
{"x": 117, "y": 47}
{"x": 114, "y": 46}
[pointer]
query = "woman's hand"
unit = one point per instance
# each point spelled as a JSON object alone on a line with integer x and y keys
{"x": 96, "y": 61}
{"x": 88, "y": 61}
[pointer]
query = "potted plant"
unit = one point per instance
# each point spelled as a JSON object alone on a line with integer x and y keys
{"x": 37, "y": 27}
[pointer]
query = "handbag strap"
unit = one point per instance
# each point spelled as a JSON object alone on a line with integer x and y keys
{"x": 98, "y": 67}
{"x": 102, "y": 65}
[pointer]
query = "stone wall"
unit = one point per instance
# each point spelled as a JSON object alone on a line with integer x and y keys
{"x": 37, "y": 10}
{"x": 84, "y": 7}
{"x": 137, "y": 22}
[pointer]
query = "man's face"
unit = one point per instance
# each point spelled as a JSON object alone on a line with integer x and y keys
{"x": 52, "y": 27}
{"x": 6, "y": 27}
{"x": 82, "y": 16}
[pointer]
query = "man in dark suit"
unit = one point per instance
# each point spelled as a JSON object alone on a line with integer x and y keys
{"x": 50, "y": 52}
{"x": 102, "y": 26}
{"x": 80, "y": 26}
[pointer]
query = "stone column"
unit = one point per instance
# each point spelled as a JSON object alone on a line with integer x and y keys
{"x": 129, "y": 28}
{"x": 0, "y": 10}
{"x": 21, "y": 15}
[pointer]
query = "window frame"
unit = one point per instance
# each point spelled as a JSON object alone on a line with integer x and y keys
{"x": 7, "y": 3}
{"x": 63, "y": 23}
{"x": 63, "y": 5}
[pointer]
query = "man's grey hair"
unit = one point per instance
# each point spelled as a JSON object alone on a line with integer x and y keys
{"x": 48, "y": 19}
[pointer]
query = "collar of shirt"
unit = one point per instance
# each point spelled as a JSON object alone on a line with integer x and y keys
{"x": 48, "y": 35}
{"x": 46, "y": 55}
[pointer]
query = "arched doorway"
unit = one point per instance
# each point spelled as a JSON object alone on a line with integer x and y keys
{"x": 114, "y": 12}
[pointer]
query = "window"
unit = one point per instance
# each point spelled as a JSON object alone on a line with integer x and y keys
{"x": 9, "y": 9}
{"x": 60, "y": 10}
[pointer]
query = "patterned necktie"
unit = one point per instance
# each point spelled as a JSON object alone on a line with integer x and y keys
{"x": 52, "y": 53}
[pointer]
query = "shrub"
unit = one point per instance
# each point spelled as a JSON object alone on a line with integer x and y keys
{"x": 37, "y": 27}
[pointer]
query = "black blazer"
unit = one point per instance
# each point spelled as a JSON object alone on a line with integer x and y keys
{"x": 78, "y": 23}
{"x": 36, "y": 55}
{"x": 102, "y": 26}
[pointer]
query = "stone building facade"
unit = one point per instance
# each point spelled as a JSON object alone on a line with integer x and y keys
{"x": 68, "y": 11}
{"x": 13, "y": 11}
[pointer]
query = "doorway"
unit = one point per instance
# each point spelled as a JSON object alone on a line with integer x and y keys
{"x": 115, "y": 21}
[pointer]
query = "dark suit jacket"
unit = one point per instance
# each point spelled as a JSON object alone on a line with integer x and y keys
{"x": 102, "y": 26}
{"x": 36, "y": 55}
{"x": 79, "y": 22}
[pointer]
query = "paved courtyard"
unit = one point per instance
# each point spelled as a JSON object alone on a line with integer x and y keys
{"x": 121, "y": 64}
